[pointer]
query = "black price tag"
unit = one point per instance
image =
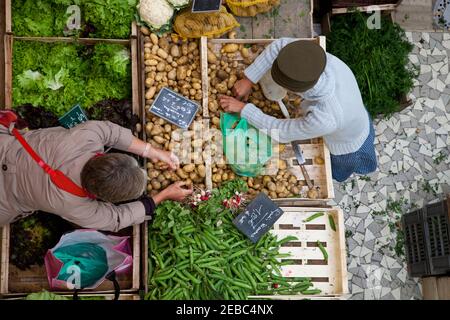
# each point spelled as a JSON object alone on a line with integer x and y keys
{"x": 73, "y": 118}
{"x": 174, "y": 108}
{"x": 206, "y": 6}
{"x": 258, "y": 217}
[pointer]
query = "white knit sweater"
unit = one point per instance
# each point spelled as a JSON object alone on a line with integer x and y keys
{"x": 333, "y": 108}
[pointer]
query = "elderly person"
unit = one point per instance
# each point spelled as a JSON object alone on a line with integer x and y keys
{"x": 332, "y": 103}
{"x": 108, "y": 179}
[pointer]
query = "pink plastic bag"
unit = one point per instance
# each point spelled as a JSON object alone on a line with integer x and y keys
{"x": 118, "y": 252}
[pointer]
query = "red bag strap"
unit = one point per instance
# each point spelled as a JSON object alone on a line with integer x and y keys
{"x": 57, "y": 177}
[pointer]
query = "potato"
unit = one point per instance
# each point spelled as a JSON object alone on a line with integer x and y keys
{"x": 159, "y": 139}
{"x": 164, "y": 44}
{"x": 201, "y": 170}
{"x": 231, "y": 81}
{"x": 157, "y": 130}
{"x": 156, "y": 185}
{"x": 175, "y": 51}
{"x": 181, "y": 73}
{"x": 184, "y": 49}
{"x": 273, "y": 195}
{"x": 282, "y": 164}
{"x": 192, "y": 46}
{"x": 181, "y": 174}
{"x": 196, "y": 86}
{"x": 280, "y": 188}
{"x": 230, "y": 48}
{"x": 161, "y": 66}
{"x": 154, "y": 38}
{"x": 217, "y": 178}
{"x": 222, "y": 75}
{"x": 189, "y": 168}
{"x": 313, "y": 194}
{"x": 222, "y": 87}
{"x": 172, "y": 75}
{"x": 212, "y": 58}
{"x": 272, "y": 186}
{"x": 163, "y": 54}
{"x": 193, "y": 176}
{"x": 216, "y": 121}
{"x": 150, "y": 93}
{"x": 182, "y": 60}
{"x": 151, "y": 62}
{"x": 319, "y": 160}
{"x": 149, "y": 82}
{"x": 168, "y": 128}
{"x": 245, "y": 53}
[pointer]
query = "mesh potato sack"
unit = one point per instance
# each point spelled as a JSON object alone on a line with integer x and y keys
{"x": 157, "y": 14}
{"x": 246, "y": 8}
{"x": 196, "y": 25}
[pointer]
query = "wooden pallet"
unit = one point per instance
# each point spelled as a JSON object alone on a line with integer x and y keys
{"x": 329, "y": 276}
{"x": 14, "y": 282}
{"x": 319, "y": 174}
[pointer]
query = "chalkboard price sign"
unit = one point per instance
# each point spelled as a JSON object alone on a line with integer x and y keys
{"x": 206, "y": 5}
{"x": 174, "y": 108}
{"x": 73, "y": 118}
{"x": 258, "y": 217}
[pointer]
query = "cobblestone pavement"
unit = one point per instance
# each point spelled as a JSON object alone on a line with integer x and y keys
{"x": 412, "y": 149}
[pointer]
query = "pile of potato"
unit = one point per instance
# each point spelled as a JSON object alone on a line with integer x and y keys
{"x": 225, "y": 67}
{"x": 173, "y": 63}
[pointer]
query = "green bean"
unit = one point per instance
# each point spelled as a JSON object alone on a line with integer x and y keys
{"x": 314, "y": 216}
{"x": 311, "y": 291}
{"x": 331, "y": 221}
{"x": 323, "y": 250}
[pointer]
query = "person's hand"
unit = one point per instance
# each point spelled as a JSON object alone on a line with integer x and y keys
{"x": 176, "y": 192}
{"x": 230, "y": 104}
{"x": 242, "y": 89}
{"x": 165, "y": 156}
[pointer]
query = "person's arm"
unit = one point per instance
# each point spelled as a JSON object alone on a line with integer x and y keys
{"x": 264, "y": 61}
{"x": 315, "y": 123}
{"x": 112, "y": 135}
{"x": 109, "y": 217}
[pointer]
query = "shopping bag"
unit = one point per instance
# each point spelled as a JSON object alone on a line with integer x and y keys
{"x": 84, "y": 259}
{"x": 247, "y": 149}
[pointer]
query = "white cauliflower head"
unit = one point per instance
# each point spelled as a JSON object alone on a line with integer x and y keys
{"x": 179, "y": 3}
{"x": 156, "y": 13}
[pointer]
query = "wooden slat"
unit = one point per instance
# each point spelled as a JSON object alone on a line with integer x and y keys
{"x": 380, "y": 7}
{"x": 4, "y": 260}
{"x": 294, "y": 19}
{"x": 204, "y": 74}
{"x": 135, "y": 71}
{"x": 2, "y": 56}
{"x": 87, "y": 41}
{"x": 8, "y": 26}
{"x": 8, "y": 45}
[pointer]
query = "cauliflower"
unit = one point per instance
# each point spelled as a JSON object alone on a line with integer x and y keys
{"x": 156, "y": 13}
{"x": 178, "y": 4}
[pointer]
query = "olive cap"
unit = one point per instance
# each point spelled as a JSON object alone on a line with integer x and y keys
{"x": 299, "y": 65}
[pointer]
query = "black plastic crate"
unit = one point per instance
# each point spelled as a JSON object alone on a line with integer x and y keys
{"x": 415, "y": 247}
{"x": 427, "y": 240}
{"x": 437, "y": 234}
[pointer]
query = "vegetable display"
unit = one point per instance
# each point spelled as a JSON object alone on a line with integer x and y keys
{"x": 32, "y": 236}
{"x": 157, "y": 14}
{"x": 169, "y": 62}
{"x": 74, "y": 74}
{"x": 109, "y": 19}
{"x": 226, "y": 65}
{"x": 377, "y": 57}
{"x": 197, "y": 253}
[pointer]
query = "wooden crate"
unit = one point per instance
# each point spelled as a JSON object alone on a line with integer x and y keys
{"x": 340, "y": 7}
{"x": 319, "y": 174}
{"x": 14, "y": 282}
{"x": 436, "y": 288}
{"x": 329, "y": 276}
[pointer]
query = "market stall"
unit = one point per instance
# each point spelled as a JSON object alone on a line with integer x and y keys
{"x": 306, "y": 246}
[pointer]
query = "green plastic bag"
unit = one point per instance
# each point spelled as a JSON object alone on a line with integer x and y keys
{"x": 246, "y": 148}
{"x": 90, "y": 258}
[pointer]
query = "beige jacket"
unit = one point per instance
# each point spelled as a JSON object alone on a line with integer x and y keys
{"x": 25, "y": 187}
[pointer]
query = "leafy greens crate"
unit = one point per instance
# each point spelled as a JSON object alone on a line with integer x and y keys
{"x": 15, "y": 282}
{"x": 320, "y": 173}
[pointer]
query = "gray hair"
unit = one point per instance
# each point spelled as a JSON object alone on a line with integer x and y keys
{"x": 114, "y": 178}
